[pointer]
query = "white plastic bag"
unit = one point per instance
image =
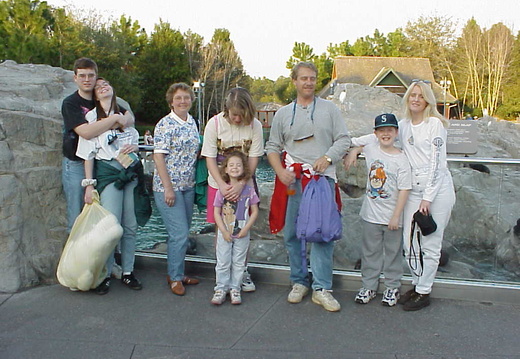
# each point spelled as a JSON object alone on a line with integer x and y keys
{"x": 94, "y": 236}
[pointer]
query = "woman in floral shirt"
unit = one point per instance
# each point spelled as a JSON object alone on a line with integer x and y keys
{"x": 176, "y": 146}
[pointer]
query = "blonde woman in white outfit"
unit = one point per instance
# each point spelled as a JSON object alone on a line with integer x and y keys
{"x": 422, "y": 134}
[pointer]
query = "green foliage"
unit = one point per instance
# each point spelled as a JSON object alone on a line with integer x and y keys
{"x": 284, "y": 89}
{"x": 142, "y": 128}
{"x": 397, "y": 44}
{"x": 301, "y": 52}
{"x": 222, "y": 70}
{"x": 342, "y": 49}
{"x": 510, "y": 107}
{"x": 431, "y": 37}
{"x": 363, "y": 47}
{"x": 482, "y": 64}
{"x": 161, "y": 62}
{"x": 23, "y": 27}
{"x": 194, "y": 44}
{"x": 324, "y": 65}
{"x": 262, "y": 90}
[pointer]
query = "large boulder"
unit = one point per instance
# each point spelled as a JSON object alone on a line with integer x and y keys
{"x": 32, "y": 211}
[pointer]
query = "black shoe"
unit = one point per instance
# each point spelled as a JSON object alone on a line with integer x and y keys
{"x": 104, "y": 287}
{"x": 131, "y": 282}
{"x": 407, "y": 296}
{"x": 417, "y": 302}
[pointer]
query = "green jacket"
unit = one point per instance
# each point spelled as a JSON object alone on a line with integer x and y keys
{"x": 107, "y": 174}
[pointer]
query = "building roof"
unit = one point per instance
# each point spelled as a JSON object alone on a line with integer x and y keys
{"x": 386, "y": 72}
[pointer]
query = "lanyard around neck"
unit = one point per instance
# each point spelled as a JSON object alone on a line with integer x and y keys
{"x": 312, "y": 112}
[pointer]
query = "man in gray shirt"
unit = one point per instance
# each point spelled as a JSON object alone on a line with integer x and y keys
{"x": 313, "y": 133}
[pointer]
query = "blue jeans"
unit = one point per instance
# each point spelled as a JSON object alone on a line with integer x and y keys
{"x": 177, "y": 220}
{"x": 321, "y": 253}
{"x": 121, "y": 204}
{"x": 72, "y": 172}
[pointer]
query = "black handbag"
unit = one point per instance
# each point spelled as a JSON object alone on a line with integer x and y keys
{"x": 425, "y": 223}
{"x": 427, "y": 226}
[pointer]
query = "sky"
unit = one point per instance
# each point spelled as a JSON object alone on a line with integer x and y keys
{"x": 264, "y": 31}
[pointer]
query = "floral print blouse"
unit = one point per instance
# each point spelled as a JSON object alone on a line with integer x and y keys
{"x": 179, "y": 141}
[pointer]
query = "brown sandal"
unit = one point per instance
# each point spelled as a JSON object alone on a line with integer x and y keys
{"x": 190, "y": 281}
{"x": 177, "y": 288}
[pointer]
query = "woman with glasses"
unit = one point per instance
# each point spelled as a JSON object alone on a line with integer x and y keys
{"x": 112, "y": 157}
{"x": 422, "y": 135}
{"x": 176, "y": 148}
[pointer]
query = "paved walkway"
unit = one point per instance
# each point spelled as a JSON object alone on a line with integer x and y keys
{"x": 53, "y": 322}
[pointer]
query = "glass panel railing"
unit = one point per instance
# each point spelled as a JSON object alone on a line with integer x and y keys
{"x": 479, "y": 243}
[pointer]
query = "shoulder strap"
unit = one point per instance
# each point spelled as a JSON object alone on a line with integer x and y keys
{"x": 412, "y": 256}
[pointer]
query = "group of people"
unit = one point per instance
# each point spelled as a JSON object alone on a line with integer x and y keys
{"x": 308, "y": 137}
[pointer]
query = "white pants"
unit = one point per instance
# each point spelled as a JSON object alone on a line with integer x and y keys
{"x": 231, "y": 262}
{"x": 431, "y": 245}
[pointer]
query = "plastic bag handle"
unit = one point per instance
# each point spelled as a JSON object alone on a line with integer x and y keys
{"x": 95, "y": 196}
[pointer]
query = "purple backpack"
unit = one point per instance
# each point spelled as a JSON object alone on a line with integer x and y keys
{"x": 318, "y": 217}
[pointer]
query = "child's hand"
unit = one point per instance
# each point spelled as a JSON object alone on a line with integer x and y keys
{"x": 227, "y": 237}
{"x": 241, "y": 234}
{"x": 393, "y": 225}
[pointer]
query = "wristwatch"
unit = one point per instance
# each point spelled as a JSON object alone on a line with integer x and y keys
{"x": 88, "y": 182}
{"x": 329, "y": 160}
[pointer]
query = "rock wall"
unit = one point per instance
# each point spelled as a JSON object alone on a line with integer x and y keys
{"x": 32, "y": 212}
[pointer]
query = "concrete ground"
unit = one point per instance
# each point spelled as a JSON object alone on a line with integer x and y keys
{"x": 53, "y": 322}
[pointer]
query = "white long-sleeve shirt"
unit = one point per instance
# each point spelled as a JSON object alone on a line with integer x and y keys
{"x": 425, "y": 146}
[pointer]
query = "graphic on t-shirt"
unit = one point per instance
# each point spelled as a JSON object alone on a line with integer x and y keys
{"x": 225, "y": 148}
{"x": 229, "y": 217}
{"x": 377, "y": 179}
{"x": 84, "y": 110}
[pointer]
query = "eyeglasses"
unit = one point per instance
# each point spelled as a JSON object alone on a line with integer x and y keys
{"x": 419, "y": 80}
{"x": 181, "y": 98}
{"x": 85, "y": 76}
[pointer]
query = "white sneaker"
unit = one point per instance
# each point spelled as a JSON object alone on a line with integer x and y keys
{"x": 297, "y": 293}
{"x": 365, "y": 295}
{"x": 218, "y": 297}
{"x": 326, "y": 300}
{"x": 390, "y": 297}
{"x": 235, "y": 296}
{"x": 247, "y": 283}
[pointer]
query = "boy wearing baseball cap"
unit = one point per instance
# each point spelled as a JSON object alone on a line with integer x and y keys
{"x": 388, "y": 185}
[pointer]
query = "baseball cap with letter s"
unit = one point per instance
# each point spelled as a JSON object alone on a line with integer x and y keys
{"x": 386, "y": 120}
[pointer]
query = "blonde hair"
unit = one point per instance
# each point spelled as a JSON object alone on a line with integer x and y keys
{"x": 239, "y": 99}
{"x": 431, "y": 103}
{"x": 299, "y": 65}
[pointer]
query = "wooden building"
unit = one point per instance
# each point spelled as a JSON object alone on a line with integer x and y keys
{"x": 392, "y": 73}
